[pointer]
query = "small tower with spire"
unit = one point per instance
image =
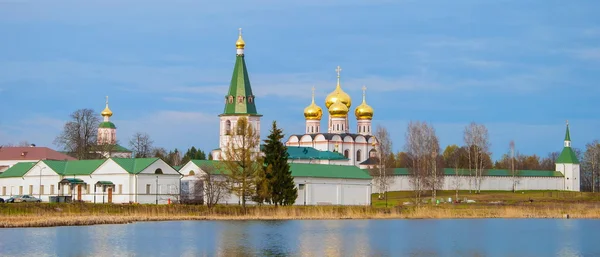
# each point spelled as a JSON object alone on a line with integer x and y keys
{"x": 313, "y": 114}
{"x": 239, "y": 102}
{"x": 107, "y": 131}
{"x": 568, "y": 164}
{"x": 364, "y": 115}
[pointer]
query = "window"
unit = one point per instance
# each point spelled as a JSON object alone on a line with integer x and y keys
{"x": 51, "y": 189}
{"x": 20, "y": 190}
{"x": 42, "y": 189}
{"x": 338, "y": 127}
{"x": 227, "y": 127}
{"x": 120, "y": 189}
{"x": 342, "y": 126}
{"x": 346, "y": 153}
{"x": 300, "y": 186}
{"x": 230, "y": 99}
{"x": 147, "y": 189}
{"x": 358, "y": 155}
{"x": 158, "y": 171}
{"x": 192, "y": 173}
{"x": 30, "y": 189}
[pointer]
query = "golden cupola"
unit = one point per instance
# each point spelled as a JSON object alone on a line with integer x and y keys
{"x": 338, "y": 110}
{"x": 313, "y": 111}
{"x": 106, "y": 112}
{"x": 338, "y": 94}
{"x": 240, "y": 44}
{"x": 364, "y": 111}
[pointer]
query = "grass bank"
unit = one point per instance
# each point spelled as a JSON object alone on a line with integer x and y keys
{"x": 46, "y": 215}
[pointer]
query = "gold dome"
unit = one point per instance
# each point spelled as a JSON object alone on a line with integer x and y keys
{"x": 338, "y": 94}
{"x": 240, "y": 44}
{"x": 338, "y": 109}
{"x": 364, "y": 111}
{"x": 106, "y": 112}
{"x": 313, "y": 111}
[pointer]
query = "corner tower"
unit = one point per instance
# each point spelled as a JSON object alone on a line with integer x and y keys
{"x": 239, "y": 101}
{"x": 313, "y": 114}
{"x": 107, "y": 131}
{"x": 568, "y": 164}
{"x": 364, "y": 115}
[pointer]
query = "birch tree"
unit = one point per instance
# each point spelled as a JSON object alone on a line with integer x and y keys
{"x": 141, "y": 144}
{"x": 591, "y": 165}
{"x": 476, "y": 138}
{"x": 242, "y": 160}
{"x": 383, "y": 172}
{"x": 513, "y": 168}
{"x": 422, "y": 149}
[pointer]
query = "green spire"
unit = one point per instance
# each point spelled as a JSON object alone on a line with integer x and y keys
{"x": 239, "y": 99}
{"x": 567, "y": 155}
{"x": 567, "y": 135}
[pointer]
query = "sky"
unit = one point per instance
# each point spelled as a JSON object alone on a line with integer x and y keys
{"x": 522, "y": 68}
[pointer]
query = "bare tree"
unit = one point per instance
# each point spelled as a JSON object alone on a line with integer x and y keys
{"x": 423, "y": 158}
{"x": 383, "y": 172}
{"x": 514, "y": 172}
{"x": 242, "y": 160}
{"x": 477, "y": 141}
{"x": 591, "y": 165}
{"x": 79, "y": 134}
{"x": 453, "y": 161}
{"x": 141, "y": 144}
{"x": 435, "y": 175}
{"x": 216, "y": 186}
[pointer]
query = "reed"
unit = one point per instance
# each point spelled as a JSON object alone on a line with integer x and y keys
{"x": 46, "y": 215}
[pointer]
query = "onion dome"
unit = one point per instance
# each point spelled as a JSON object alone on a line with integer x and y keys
{"x": 364, "y": 111}
{"x": 313, "y": 111}
{"x": 338, "y": 110}
{"x": 338, "y": 94}
{"x": 106, "y": 112}
{"x": 240, "y": 44}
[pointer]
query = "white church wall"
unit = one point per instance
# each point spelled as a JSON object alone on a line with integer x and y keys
{"x": 329, "y": 191}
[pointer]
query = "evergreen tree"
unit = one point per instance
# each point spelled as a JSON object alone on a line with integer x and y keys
{"x": 193, "y": 154}
{"x": 277, "y": 169}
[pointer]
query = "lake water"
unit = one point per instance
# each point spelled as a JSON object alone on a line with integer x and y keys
{"x": 475, "y": 237}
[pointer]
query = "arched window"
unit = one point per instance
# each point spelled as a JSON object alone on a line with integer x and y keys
{"x": 158, "y": 171}
{"x": 227, "y": 127}
{"x": 358, "y": 155}
{"x": 192, "y": 173}
{"x": 373, "y": 153}
{"x": 338, "y": 127}
{"x": 230, "y": 99}
{"x": 312, "y": 129}
{"x": 346, "y": 153}
{"x": 342, "y": 126}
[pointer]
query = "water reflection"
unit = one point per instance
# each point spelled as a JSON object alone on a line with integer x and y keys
{"x": 484, "y": 237}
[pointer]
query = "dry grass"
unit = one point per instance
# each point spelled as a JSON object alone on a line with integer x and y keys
{"x": 46, "y": 215}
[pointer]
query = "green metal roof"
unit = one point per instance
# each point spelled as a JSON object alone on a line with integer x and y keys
{"x": 492, "y": 172}
{"x": 304, "y": 170}
{"x": 177, "y": 167}
{"x": 134, "y": 166}
{"x": 104, "y": 183}
{"x": 77, "y": 167}
{"x": 72, "y": 181}
{"x": 107, "y": 124}
{"x": 301, "y": 152}
{"x": 116, "y": 148}
{"x": 567, "y": 156}
{"x": 17, "y": 170}
{"x": 328, "y": 171}
{"x": 240, "y": 87}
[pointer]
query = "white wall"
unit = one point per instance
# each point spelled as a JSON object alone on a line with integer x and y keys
{"x": 328, "y": 191}
{"x": 402, "y": 183}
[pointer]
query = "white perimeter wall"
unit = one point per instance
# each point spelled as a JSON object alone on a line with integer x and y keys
{"x": 402, "y": 183}
{"x": 328, "y": 191}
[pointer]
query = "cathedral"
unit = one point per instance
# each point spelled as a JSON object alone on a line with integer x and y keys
{"x": 355, "y": 148}
{"x": 107, "y": 145}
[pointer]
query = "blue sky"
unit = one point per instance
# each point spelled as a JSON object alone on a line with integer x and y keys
{"x": 520, "y": 67}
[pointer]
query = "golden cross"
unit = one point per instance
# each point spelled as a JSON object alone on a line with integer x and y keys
{"x": 106, "y": 100}
{"x": 567, "y": 122}
{"x": 240, "y": 29}
{"x": 338, "y": 70}
{"x": 313, "y": 93}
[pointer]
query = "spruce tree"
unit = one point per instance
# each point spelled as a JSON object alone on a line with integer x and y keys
{"x": 277, "y": 169}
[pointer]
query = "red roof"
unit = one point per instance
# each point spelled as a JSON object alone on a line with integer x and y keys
{"x": 31, "y": 153}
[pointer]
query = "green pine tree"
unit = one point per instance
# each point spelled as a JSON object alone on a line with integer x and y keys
{"x": 277, "y": 169}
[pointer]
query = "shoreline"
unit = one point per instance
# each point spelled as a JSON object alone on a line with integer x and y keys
{"x": 52, "y": 215}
